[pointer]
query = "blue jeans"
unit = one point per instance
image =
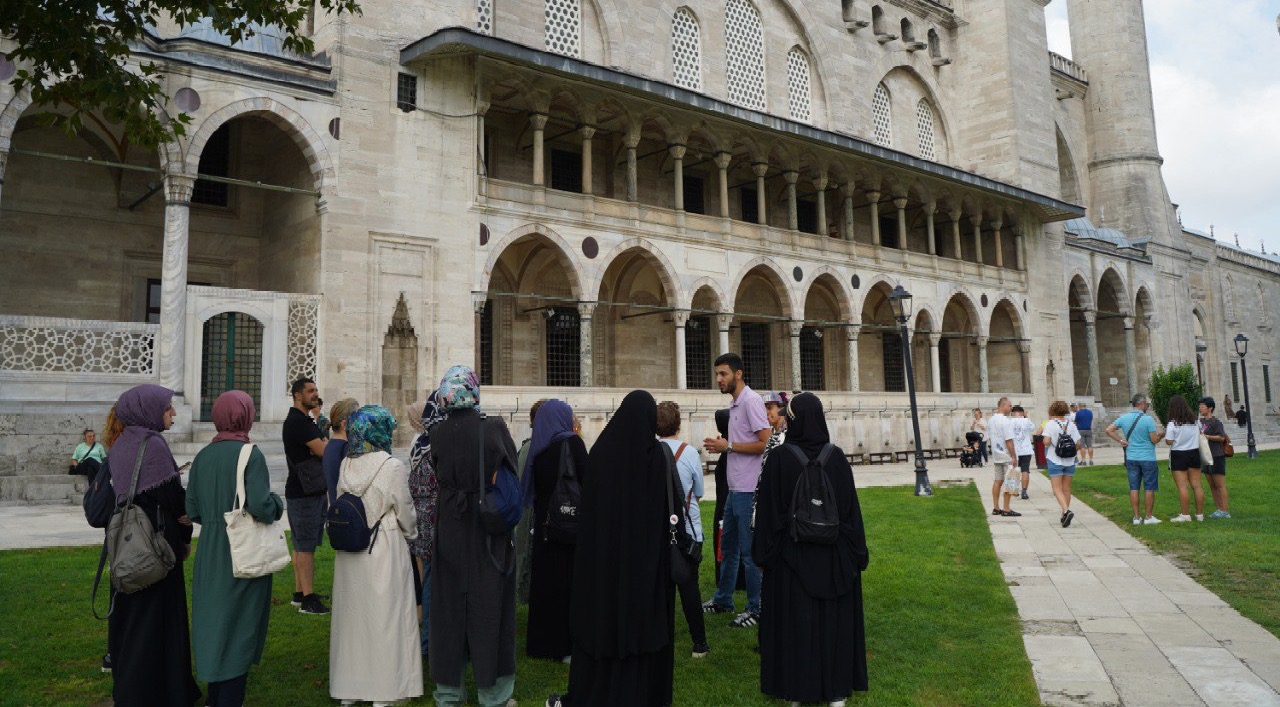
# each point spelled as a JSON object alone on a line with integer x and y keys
{"x": 426, "y": 604}
{"x": 735, "y": 543}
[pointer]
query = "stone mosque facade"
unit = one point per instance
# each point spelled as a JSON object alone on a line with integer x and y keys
{"x": 580, "y": 197}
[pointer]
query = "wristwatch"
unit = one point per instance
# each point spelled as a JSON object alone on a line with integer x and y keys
{"x": 730, "y": 449}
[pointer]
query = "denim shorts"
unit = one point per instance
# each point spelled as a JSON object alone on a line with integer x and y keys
{"x": 1061, "y": 470}
{"x": 1143, "y": 474}
{"x": 306, "y": 521}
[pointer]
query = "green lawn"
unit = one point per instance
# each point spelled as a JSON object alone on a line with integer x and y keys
{"x": 942, "y": 628}
{"x": 1237, "y": 558}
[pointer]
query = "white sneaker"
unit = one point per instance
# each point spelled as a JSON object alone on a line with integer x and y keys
{"x": 1199, "y": 517}
{"x": 1152, "y": 521}
{"x": 1182, "y": 518}
{"x": 1137, "y": 521}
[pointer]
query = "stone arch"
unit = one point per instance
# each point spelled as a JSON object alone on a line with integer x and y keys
{"x": 763, "y": 309}
{"x": 839, "y": 287}
{"x": 634, "y": 336}
{"x": 931, "y": 322}
{"x": 712, "y": 287}
{"x": 824, "y": 350}
{"x": 288, "y": 120}
{"x": 1006, "y": 362}
{"x": 560, "y": 247}
{"x": 1111, "y": 276}
{"x": 958, "y": 355}
{"x": 778, "y": 279}
{"x": 1113, "y": 306}
{"x": 1068, "y": 175}
{"x": 906, "y": 88}
{"x": 660, "y": 262}
{"x": 887, "y": 280}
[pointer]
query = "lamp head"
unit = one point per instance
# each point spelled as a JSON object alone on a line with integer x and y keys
{"x": 900, "y": 301}
{"x": 1242, "y": 345}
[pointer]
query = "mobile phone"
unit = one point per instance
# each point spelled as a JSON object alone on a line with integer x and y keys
{"x": 184, "y": 467}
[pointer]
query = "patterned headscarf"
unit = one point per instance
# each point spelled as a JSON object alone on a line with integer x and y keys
{"x": 459, "y": 390}
{"x": 431, "y": 414}
{"x": 369, "y": 430}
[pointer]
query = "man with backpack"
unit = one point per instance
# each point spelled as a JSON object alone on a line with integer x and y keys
{"x": 749, "y": 432}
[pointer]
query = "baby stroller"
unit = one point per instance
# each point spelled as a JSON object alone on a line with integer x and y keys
{"x": 971, "y": 456}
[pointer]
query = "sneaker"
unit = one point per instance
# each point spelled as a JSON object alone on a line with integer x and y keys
{"x": 554, "y": 701}
{"x": 745, "y": 619}
{"x": 1152, "y": 521}
{"x": 700, "y": 650}
{"x": 711, "y": 607}
{"x": 297, "y": 599}
{"x": 1137, "y": 521}
{"x": 1199, "y": 517}
{"x": 1066, "y": 518}
{"x": 1180, "y": 518}
{"x": 567, "y": 659}
{"x": 311, "y": 604}
{"x": 838, "y": 703}
{"x": 1219, "y": 514}
{"x": 106, "y": 662}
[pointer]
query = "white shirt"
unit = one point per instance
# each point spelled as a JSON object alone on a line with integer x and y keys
{"x": 689, "y": 467}
{"x": 1022, "y": 436}
{"x": 1185, "y": 437}
{"x": 999, "y": 430}
{"x": 1054, "y": 429}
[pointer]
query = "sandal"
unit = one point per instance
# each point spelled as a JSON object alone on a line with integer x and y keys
{"x": 1011, "y": 514}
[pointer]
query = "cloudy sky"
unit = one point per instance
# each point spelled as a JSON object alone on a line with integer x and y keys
{"x": 1215, "y": 73}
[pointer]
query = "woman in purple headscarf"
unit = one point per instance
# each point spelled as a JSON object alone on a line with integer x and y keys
{"x": 148, "y": 633}
{"x": 554, "y": 450}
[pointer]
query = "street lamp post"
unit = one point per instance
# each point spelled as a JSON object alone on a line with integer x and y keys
{"x": 1242, "y": 348}
{"x": 900, "y": 300}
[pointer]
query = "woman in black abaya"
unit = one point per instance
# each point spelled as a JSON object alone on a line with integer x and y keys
{"x": 812, "y": 639}
{"x": 624, "y": 601}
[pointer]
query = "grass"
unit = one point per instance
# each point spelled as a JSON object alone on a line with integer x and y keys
{"x": 942, "y": 628}
{"x": 1237, "y": 558}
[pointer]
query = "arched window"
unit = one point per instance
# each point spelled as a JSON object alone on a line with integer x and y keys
{"x": 744, "y": 53}
{"x": 883, "y": 119}
{"x": 925, "y": 130}
{"x": 798, "y": 84}
{"x": 484, "y": 16}
{"x": 877, "y": 20}
{"x": 564, "y": 27}
{"x": 907, "y": 34}
{"x": 686, "y": 50}
{"x": 935, "y": 45}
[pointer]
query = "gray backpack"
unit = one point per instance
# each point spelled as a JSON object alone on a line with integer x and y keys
{"x": 139, "y": 554}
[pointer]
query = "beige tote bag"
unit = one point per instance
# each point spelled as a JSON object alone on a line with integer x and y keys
{"x": 257, "y": 549}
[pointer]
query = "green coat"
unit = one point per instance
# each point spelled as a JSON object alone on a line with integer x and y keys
{"x": 228, "y": 615}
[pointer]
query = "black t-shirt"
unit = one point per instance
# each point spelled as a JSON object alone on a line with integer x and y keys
{"x": 298, "y": 429}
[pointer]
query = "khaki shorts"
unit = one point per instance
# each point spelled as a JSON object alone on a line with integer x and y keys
{"x": 1000, "y": 471}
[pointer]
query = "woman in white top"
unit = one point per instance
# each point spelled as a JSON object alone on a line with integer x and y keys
{"x": 1061, "y": 470}
{"x": 1183, "y": 435}
{"x": 979, "y": 425}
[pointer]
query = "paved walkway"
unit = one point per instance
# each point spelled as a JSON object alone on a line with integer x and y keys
{"x": 1105, "y": 621}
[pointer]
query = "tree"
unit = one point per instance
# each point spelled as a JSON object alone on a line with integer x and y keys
{"x": 1178, "y": 380}
{"x": 76, "y": 53}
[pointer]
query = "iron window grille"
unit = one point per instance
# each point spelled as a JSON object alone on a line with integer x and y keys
{"x": 1235, "y": 380}
{"x": 486, "y": 343}
{"x": 564, "y": 353}
{"x": 812, "y": 359}
{"x": 895, "y": 379}
{"x": 231, "y": 359}
{"x": 566, "y": 171}
{"x": 215, "y": 161}
{"x": 755, "y": 355}
{"x": 1266, "y": 382}
{"x": 407, "y": 92}
{"x": 697, "y": 353}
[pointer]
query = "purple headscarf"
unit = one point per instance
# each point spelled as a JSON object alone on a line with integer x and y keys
{"x": 141, "y": 410}
{"x": 552, "y": 425}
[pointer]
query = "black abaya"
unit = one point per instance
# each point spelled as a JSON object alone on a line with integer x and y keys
{"x": 623, "y": 622}
{"x": 551, "y": 582}
{"x": 148, "y": 638}
{"x": 812, "y": 638}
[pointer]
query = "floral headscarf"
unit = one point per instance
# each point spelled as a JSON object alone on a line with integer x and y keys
{"x": 423, "y": 486}
{"x": 369, "y": 430}
{"x": 459, "y": 390}
{"x": 431, "y": 414}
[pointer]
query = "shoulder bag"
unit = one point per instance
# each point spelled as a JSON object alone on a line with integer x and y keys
{"x": 680, "y": 570}
{"x": 1129, "y": 435}
{"x": 1206, "y": 453}
{"x": 99, "y": 501}
{"x": 257, "y": 549}
{"x": 138, "y": 552}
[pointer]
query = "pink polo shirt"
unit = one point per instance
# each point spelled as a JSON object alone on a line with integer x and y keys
{"x": 746, "y": 418}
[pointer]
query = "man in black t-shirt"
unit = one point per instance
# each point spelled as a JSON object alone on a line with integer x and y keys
{"x": 304, "y": 442}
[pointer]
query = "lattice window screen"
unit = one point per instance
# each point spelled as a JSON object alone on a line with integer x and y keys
{"x": 564, "y": 27}
{"x": 924, "y": 130}
{"x": 484, "y": 16}
{"x": 884, "y": 120}
{"x": 744, "y": 51}
{"x": 686, "y": 50}
{"x": 798, "y": 84}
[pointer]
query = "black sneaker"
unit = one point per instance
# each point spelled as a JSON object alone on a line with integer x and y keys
{"x": 1066, "y": 518}
{"x": 106, "y": 662}
{"x": 745, "y": 619}
{"x": 311, "y": 604}
{"x": 1025, "y": 496}
{"x": 711, "y": 607}
{"x": 297, "y": 599}
{"x": 700, "y": 650}
{"x": 554, "y": 701}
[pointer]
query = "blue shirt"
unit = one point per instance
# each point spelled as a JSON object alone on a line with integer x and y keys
{"x": 1141, "y": 448}
{"x": 331, "y": 462}
{"x": 1084, "y": 419}
{"x": 689, "y": 467}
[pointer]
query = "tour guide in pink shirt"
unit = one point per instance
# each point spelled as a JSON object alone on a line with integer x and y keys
{"x": 748, "y": 433}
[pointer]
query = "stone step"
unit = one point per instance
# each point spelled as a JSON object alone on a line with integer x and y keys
{"x": 48, "y": 488}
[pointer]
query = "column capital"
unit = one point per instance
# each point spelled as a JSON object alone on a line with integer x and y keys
{"x": 900, "y": 202}
{"x": 586, "y": 309}
{"x": 722, "y": 159}
{"x": 935, "y": 339}
{"x": 178, "y": 188}
{"x": 1128, "y": 322}
{"x": 873, "y": 194}
{"x": 723, "y": 321}
{"x": 677, "y": 151}
{"x": 998, "y": 223}
{"x": 852, "y": 331}
{"x": 791, "y": 177}
{"x": 322, "y": 203}
{"x": 587, "y": 131}
{"x": 538, "y": 120}
{"x": 795, "y": 328}
{"x": 982, "y": 341}
{"x": 1090, "y": 317}
{"x": 631, "y": 140}
{"x": 680, "y": 317}
{"x": 478, "y": 301}
{"x": 848, "y": 189}
{"x": 1024, "y": 347}
{"x": 760, "y": 168}
{"x": 482, "y": 107}
{"x": 930, "y": 207}
{"x": 976, "y": 219}
{"x": 820, "y": 183}
{"x": 955, "y": 213}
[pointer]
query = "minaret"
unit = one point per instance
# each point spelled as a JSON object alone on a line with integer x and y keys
{"x": 1109, "y": 39}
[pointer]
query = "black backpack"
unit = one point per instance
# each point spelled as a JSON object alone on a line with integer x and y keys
{"x": 815, "y": 517}
{"x": 566, "y": 499}
{"x": 1064, "y": 447}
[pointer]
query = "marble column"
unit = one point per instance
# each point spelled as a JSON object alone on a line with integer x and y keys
{"x": 1091, "y": 352}
{"x": 632, "y": 180}
{"x": 955, "y": 233}
{"x": 874, "y": 198}
{"x": 935, "y": 341}
{"x": 846, "y": 191}
{"x": 1024, "y": 358}
{"x": 1130, "y": 356}
{"x": 900, "y": 203}
{"x": 820, "y": 187}
{"x": 977, "y": 238}
{"x": 722, "y": 328}
{"x": 681, "y": 319}
{"x": 995, "y": 231}
{"x": 984, "y": 382}
{"x": 793, "y": 217}
{"x": 760, "y": 169}
{"x": 722, "y": 160}
{"x": 539, "y": 123}
{"x": 1019, "y": 250}
{"x": 854, "y": 382}
{"x": 677, "y": 168}
{"x": 482, "y": 107}
{"x": 586, "y": 340}
{"x": 173, "y": 281}
{"x": 587, "y": 132}
{"x": 796, "y": 379}
{"x": 929, "y": 208}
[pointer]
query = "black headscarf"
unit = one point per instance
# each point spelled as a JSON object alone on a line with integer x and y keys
{"x": 806, "y": 424}
{"x": 622, "y": 592}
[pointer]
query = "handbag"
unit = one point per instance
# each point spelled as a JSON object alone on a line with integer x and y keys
{"x": 311, "y": 477}
{"x": 1012, "y": 482}
{"x": 257, "y": 549}
{"x": 1227, "y": 449}
{"x": 680, "y": 570}
{"x": 1206, "y": 455}
{"x": 139, "y": 554}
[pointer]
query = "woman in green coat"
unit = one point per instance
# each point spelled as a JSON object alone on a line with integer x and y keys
{"x": 228, "y": 615}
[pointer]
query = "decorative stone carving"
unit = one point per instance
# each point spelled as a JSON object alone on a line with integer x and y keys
{"x": 303, "y": 323}
{"x": 50, "y": 345}
{"x": 400, "y": 366}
